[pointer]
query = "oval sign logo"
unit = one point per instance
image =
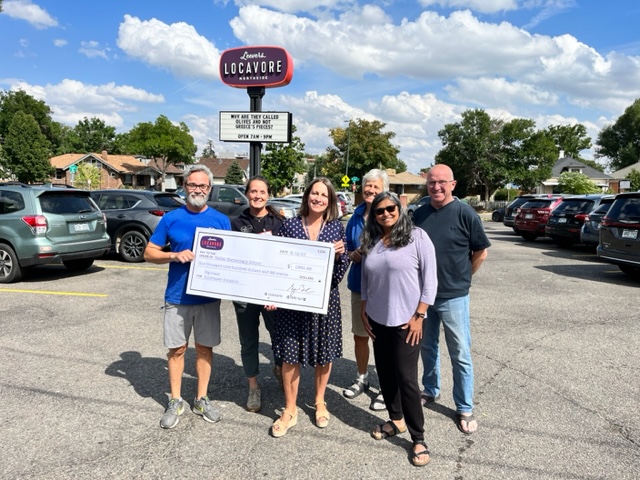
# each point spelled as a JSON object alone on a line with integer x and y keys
{"x": 256, "y": 67}
{"x": 211, "y": 243}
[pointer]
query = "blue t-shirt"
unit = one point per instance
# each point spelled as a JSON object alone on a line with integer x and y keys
{"x": 178, "y": 229}
{"x": 353, "y": 232}
{"x": 456, "y": 232}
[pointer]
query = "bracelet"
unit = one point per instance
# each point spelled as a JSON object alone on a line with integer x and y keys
{"x": 419, "y": 315}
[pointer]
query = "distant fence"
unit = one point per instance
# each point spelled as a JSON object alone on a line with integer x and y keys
{"x": 481, "y": 205}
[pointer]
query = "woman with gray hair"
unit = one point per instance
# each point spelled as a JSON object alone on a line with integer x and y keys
{"x": 374, "y": 182}
{"x": 399, "y": 282}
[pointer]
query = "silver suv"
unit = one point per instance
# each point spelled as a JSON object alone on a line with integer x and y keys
{"x": 41, "y": 225}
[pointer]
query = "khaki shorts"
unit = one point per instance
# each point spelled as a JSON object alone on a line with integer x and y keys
{"x": 357, "y": 328}
{"x": 203, "y": 319}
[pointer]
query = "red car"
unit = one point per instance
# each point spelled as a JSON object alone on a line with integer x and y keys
{"x": 532, "y": 217}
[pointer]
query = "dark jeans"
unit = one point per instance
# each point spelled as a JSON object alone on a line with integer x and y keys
{"x": 397, "y": 366}
{"x": 248, "y": 317}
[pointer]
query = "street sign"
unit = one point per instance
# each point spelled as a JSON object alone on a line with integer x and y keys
{"x": 355, "y": 179}
{"x": 272, "y": 127}
{"x": 73, "y": 168}
{"x": 345, "y": 181}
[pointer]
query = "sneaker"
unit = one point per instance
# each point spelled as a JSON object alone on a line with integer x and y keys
{"x": 207, "y": 411}
{"x": 171, "y": 416}
{"x": 428, "y": 399}
{"x": 356, "y": 389}
{"x": 253, "y": 402}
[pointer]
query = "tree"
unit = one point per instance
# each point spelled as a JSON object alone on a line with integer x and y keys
{"x": 26, "y": 150}
{"x": 634, "y": 176}
{"x": 620, "y": 142}
{"x": 235, "y": 175}
{"x": 19, "y": 101}
{"x": 91, "y": 135}
{"x": 208, "y": 151}
{"x": 87, "y": 176}
{"x": 486, "y": 153}
{"x": 165, "y": 143}
{"x": 364, "y": 144}
{"x": 572, "y": 139}
{"x": 282, "y": 161}
{"x": 576, "y": 183}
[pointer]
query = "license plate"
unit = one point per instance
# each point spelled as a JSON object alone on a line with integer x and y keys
{"x": 81, "y": 227}
{"x": 562, "y": 220}
{"x": 632, "y": 234}
{"x": 528, "y": 215}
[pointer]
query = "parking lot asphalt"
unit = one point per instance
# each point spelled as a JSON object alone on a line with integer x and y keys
{"x": 83, "y": 383}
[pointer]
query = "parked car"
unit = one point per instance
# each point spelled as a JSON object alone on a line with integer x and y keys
{"x": 41, "y": 225}
{"x": 567, "y": 219}
{"x": 346, "y": 198}
{"x": 228, "y": 199}
{"x": 620, "y": 234}
{"x": 297, "y": 198}
{"x": 511, "y": 210}
{"x": 132, "y": 216}
{"x": 498, "y": 215}
{"x": 533, "y": 215}
{"x": 413, "y": 206}
{"x": 590, "y": 231}
{"x": 286, "y": 209}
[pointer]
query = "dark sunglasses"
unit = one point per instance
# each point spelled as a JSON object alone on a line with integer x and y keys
{"x": 389, "y": 208}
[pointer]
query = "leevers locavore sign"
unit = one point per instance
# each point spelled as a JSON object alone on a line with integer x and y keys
{"x": 256, "y": 67}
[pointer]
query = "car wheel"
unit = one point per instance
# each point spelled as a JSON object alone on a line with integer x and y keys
{"x": 10, "y": 270}
{"x": 632, "y": 272}
{"x": 496, "y": 217}
{"x": 529, "y": 237}
{"x": 132, "y": 245}
{"x": 78, "y": 265}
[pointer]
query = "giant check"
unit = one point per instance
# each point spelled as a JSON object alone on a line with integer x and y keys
{"x": 262, "y": 269}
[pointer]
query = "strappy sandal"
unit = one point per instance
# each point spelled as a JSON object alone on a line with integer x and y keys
{"x": 280, "y": 428}
{"x": 322, "y": 418}
{"x": 379, "y": 432}
{"x": 415, "y": 455}
{"x": 468, "y": 419}
{"x": 356, "y": 389}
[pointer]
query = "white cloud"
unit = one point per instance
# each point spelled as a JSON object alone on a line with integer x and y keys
{"x": 60, "y": 42}
{"x": 25, "y": 10}
{"x": 493, "y": 92}
{"x": 293, "y": 6}
{"x": 92, "y": 49}
{"x": 71, "y": 100}
{"x": 176, "y": 47}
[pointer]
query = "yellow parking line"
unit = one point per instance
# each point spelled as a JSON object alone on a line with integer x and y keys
{"x": 50, "y": 292}
{"x": 132, "y": 267}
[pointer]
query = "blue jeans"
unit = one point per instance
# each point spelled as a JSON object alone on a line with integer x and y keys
{"x": 453, "y": 314}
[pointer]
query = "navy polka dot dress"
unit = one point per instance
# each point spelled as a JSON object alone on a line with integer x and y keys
{"x": 310, "y": 338}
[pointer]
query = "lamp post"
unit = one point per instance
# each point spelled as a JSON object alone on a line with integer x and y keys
{"x": 348, "y": 143}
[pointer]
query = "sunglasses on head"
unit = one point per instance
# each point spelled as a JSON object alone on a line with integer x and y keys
{"x": 389, "y": 208}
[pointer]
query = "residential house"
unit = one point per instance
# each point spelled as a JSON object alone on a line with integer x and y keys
{"x": 569, "y": 164}
{"x": 220, "y": 165}
{"x": 118, "y": 171}
{"x": 620, "y": 176}
{"x": 407, "y": 185}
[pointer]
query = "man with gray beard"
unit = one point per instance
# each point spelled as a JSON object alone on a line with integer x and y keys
{"x": 184, "y": 312}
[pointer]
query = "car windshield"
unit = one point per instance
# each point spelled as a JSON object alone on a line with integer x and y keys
{"x": 604, "y": 206}
{"x": 168, "y": 201}
{"x": 538, "y": 203}
{"x": 574, "y": 206}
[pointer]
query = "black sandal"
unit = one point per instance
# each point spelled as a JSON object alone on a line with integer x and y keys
{"x": 379, "y": 433}
{"x": 415, "y": 455}
{"x": 467, "y": 418}
{"x": 356, "y": 389}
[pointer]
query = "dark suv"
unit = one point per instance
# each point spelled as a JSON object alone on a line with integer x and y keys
{"x": 132, "y": 216}
{"x": 41, "y": 225}
{"x": 533, "y": 215}
{"x": 228, "y": 199}
{"x": 567, "y": 219}
{"x": 620, "y": 234}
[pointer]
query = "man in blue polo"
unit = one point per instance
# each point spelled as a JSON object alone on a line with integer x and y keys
{"x": 461, "y": 246}
{"x": 184, "y": 312}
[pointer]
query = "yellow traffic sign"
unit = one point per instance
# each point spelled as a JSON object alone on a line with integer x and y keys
{"x": 345, "y": 179}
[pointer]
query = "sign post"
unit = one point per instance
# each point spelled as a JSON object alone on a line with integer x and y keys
{"x": 255, "y": 68}
{"x": 72, "y": 170}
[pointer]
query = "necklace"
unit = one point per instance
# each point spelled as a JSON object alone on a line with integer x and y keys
{"x": 307, "y": 229}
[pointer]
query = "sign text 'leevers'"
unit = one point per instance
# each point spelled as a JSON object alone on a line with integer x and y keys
{"x": 256, "y": 67}
{"x": 274, "y": 127}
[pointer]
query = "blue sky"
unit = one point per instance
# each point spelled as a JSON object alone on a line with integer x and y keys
{"x": 415, "y": 65}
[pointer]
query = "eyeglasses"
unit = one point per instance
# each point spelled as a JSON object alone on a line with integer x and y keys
{"x": 440, "y": 183}
{"x": 388, "y": 208}
{"x": 198, "y": 186}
